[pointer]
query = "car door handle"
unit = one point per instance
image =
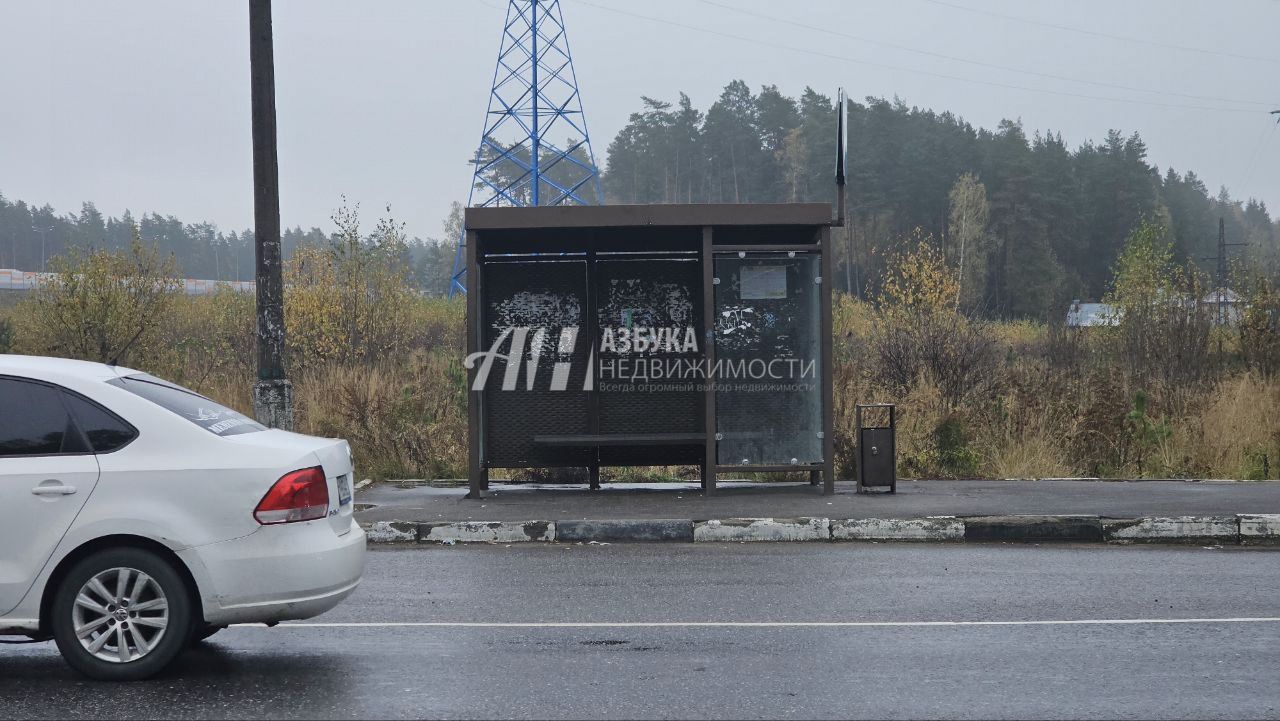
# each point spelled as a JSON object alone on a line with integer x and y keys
{"x": 58, "y": 490}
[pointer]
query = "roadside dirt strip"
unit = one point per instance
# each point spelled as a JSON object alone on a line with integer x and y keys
{"x": 1239, "y": 529}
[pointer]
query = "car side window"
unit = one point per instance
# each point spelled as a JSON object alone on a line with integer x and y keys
{"x": 106, "y": 432}
{"x": 34, "y": 421}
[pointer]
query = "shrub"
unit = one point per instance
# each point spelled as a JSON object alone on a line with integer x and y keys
{"x": 955, "y": 456}
{"x": 1259, "y": 324}
{"x": 353, "y": 301}
{"x": 921, "y": 335}
{"x": 100, "y": 305}
{"x": 1163, "y": 335}
{"x": 1143, "y": 434}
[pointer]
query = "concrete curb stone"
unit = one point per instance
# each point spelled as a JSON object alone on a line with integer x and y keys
{"x": 1259, "y": 528}
{"x": 391, "y": 532}
{"x": 486, "y": 531}
{"x": 930, "y": 529}
{"x": 1172, "y": 529}
{"x": 1031, "y": 528}
{"x": 635, "y": 531}
{"x": 762, "y": 529}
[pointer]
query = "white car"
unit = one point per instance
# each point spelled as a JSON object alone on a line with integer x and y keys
{"x": 137, "y": 517}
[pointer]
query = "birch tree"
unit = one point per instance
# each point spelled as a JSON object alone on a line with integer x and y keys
{"x": 966, "y": 247}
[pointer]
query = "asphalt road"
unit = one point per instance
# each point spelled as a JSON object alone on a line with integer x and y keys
{"x": 599, "y": 634}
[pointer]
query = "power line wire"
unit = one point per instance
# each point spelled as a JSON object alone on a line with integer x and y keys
{"x": 1100, "y": 34}
{"x": 953, "y": 58}
{"x": 1263, "y": 138}
{"x": 842, "y": 58}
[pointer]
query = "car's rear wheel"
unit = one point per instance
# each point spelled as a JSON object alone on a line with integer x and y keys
{"x": 121, "y": 615}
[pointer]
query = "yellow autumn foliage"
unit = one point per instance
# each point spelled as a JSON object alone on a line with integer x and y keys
{"x": 918, "y": 278}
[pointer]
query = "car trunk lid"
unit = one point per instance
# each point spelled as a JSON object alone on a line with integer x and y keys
{"x": 333, "y": 455}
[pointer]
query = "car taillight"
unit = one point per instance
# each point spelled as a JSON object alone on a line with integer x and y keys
{"x": 298, "y": 496}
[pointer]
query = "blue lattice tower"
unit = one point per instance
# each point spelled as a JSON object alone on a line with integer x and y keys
{"x": 534, "y": 102}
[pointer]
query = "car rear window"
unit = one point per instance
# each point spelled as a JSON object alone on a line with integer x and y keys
{"x": 207, "y": 414}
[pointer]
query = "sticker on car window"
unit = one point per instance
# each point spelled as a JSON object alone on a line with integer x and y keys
{"x": 190, "y": 405}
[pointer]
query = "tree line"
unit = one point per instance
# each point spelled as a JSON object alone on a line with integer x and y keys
{"x": 1027, "y": 222}
{"x": 1030, "y": 222}
{"x": 31, "y": 235}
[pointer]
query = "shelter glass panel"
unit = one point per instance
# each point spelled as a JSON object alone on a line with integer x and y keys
{"x": 768, "y": 358}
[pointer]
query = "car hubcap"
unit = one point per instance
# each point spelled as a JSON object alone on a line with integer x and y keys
{"x": 120, "y": 615}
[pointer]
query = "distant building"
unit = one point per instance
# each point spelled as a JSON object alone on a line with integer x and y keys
{"x": 19, "y": 279}
{"x": 1089, "y": 315}
{"x": 1226, "y": 306}
{"x": 26, "y": 281}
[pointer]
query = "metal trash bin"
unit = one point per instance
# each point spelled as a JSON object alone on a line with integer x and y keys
{"x": 877, "y": 451}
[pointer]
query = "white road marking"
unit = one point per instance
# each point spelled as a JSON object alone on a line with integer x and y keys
{"x": 761, "y": 624}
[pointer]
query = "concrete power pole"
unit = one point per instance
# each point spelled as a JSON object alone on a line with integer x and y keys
{"x": 273, "y": 393}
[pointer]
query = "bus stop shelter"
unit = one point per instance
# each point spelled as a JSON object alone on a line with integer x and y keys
{"x": 650, "y": 335}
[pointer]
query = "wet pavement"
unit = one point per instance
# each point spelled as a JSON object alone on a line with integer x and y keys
{"x": 915, "y": 499}
{"x": 570, "y": 631}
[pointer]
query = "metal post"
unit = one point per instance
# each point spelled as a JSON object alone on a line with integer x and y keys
{"x": 828, "y": 371}
{"x": 273, "y": 393}
{"x": 593, "y": 342}
{"x": 848, "y": 259}
{"x": 533, "y": 136}
{"x": 709, "y": 352}
{"x": 477, "y": 473}
{"x": 857, "y": 446}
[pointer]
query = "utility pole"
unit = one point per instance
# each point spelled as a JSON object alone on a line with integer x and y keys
{"x": 1222, "y": 264}
{"x": 273, "y": 393}
{"x": 44, "y": 236}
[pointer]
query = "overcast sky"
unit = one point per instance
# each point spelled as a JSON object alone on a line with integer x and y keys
{"x": 144, "y": 104}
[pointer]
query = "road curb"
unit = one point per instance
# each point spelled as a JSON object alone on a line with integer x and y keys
{"x": 929, "y": 529}
{"x": 1258, "y": 529}
{"x": 1033, "y": 529}
{"x": 762, "y": 529}
{"x": 626, "y": 531}
{"x": 1173, "y": 529}
{"x": 451, "y": 532}
{"x": 1241, "y": 529}
{"x": 390, "y": 532}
